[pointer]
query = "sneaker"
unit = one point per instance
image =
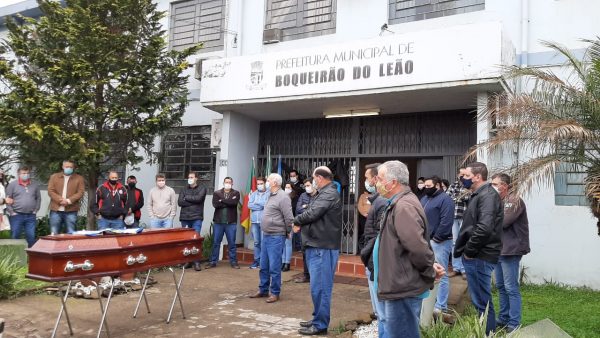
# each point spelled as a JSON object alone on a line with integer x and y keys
{"x": 210, "y": 265}
{"x": 253, "y": 267}
{"x": 235, "y": 266}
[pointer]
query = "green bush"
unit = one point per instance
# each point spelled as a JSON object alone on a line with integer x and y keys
{"x": 42, "y": 227}
{"x": 5, "y": 234}
{"x": 207, "y": 244}
{"x": 10, "y": 276}
{"x": 467, "y": 325}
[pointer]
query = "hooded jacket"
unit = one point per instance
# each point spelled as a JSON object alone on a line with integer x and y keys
{"x": 110, "y": 202}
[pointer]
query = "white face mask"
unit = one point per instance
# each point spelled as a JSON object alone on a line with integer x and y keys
{"x": 227, "y": 186}
{"x": 268, "y": 185}
{"x": 309, "y": 190}
{"x": 260, "y": 187}
{"x": 288, "y": 191}
{"x": 497, "y": 189}
{"x": 314, "y": 184}
{"x": 191, "y": 181}
{"x": 294, "y": 179}
{"x": 421, "y": 186}
{"x": 161, "y": 184}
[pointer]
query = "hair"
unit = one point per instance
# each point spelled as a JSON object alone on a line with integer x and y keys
{"x": 446, "y": 183}
{"x": 421, "y": 179}
{"x": 503, "y": 177}
{"x": 323, "y": 172}
{"x": 113, "y": 172}
{"x": 131, "y": 176}
{"x": 395, "y": 170}
{"x": 68, "y": 161}
{"x": 24, "y": 168}
{"x": 160, "y": 175}
{"x": 373, "y": 168}
{"x": 260, "y": 178}
{"x": 308, "y": 180}
{"x": 435, "y": 179}
{"x": 478, "y": 168}
{"x": 290, "y": 183}
{"x": 293, "y": 171}
{"x": 193, "y": 173}
{"x": 228, "y": 178}
{"x": 276, "y": 178}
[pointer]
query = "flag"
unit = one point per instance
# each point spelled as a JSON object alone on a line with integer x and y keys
{"x": 268, "y": 164}
{"x": 250, "y": 187}
{"x": 279, "y": 166}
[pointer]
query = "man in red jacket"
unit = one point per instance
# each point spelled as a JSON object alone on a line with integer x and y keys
{"x": 109, "y": 206}
{"x": 135, "y": 201}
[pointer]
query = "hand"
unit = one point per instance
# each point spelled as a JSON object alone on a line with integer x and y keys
{"x": 439, "y": 271}
{"x": 63, "y": 202}
{"x": 296, "y": 228}
{"x": 129, "y": 212}
{"x": 466, "y": 257}
{"x": 9, "y": 200}
{"x": 98, "y": 216}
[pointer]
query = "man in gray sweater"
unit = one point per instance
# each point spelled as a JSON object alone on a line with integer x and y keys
{"x": 23, "y": 202}
{"x": 276, "y": 225}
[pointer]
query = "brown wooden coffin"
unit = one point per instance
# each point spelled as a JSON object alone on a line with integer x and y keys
{"x": 69, "y": 257}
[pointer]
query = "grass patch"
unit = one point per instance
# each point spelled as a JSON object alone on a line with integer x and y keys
{"x": 12, "y": 279}
{"x": 575, "y": 310}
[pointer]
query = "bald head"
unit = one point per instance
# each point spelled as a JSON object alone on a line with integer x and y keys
{"x": 322, "y": 176}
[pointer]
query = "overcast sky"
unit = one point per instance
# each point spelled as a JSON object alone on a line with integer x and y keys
{"x": 9, "y": 2}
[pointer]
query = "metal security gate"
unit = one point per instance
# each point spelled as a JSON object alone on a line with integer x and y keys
{"x": 341, "y": 144}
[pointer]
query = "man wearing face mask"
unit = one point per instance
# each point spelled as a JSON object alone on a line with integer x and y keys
{"x": 225, "y": 202}
{"x": 135, "y": 201}
{"x": 515, "y": 244}
{"x": 256, "y": 203}
{"x": 297, "y": 185}
{"x": 371, "y": 232}
{"x": 191, "y": 200}
{"x": 303, "y": 203}
{"x": 65, "y": 189}
{"x": 480, "y": 239}
{"x": 439, "y": 209}
{"x": 460, "y": 195}
{"x": 321, "y": 225}
{"x": 420, "y": 186}
{"x": 403, "y": 261}
{"x": 109, "y": 206}
{"x": 22, "y": 203}
{"x": 162, "y": 204}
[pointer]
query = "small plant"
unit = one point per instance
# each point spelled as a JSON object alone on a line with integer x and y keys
{"x": 10, "y": 278}
{"x": 341, "y": 328}
{"x": 207, "y": 244}
{"x": 468, "y": 325}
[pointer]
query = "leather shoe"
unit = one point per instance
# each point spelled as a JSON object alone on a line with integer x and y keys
{"x": 452, "y": 274}
{"x": 259, "y": 295}
{"x": 197, "y": 266}
{"x": 286, "y": 267}
{"x": 272, "y": 299}
{"x": 312, "y": 331}
{"x": 302, "y": 279}
{"x": 210, "y": 265}
{"x": 307, "y": 323}
{"x": 235, "y": 266}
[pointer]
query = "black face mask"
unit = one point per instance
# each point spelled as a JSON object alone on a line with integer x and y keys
{"x": 131, "y": 185}
{"x": 430, "y": 191}
{"x": 113, "y": 182}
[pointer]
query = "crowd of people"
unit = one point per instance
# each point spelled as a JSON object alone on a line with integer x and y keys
{"x": 411, "y": 239}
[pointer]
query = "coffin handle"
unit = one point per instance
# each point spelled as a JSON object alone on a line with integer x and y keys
{"x": 187, "y": 252}
{"x": 85, "y": 266}
{"x": 131, "y": 260}
{"x": 141, "y": 259}
{"x": 195, "y": 250}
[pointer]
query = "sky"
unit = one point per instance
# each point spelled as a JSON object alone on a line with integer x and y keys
{"x": 9, "y": 2}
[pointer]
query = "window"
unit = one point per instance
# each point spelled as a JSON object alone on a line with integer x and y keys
{"x": 186, "y": 149}
{"x": 197, "y": 21}
{"x": 415, "y": 10}
{"x": 299, "y": 19}
{"x": 569, "y": 188}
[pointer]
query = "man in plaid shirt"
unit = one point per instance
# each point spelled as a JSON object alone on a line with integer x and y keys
{"x": 460, "y": 195}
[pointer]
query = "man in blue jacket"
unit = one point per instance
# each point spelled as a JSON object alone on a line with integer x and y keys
{"x": 256, "y": 203}
{"x": 439, "y": 209}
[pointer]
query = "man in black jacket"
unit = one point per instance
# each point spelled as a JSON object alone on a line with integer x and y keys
{"x": 321, "y": 225}
{"x": 225, "y": 202}
{"x": 135, "y": 201}
{"x": 378, "y": 205}
{"x": 191, "y": 200}
{"x": 480, "y": 238}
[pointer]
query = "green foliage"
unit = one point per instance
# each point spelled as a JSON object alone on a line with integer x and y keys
{"x": 9, "y": 276}
{"x": 5, "y": 234}
{"x": 467, "y": 325}
{"x": 208, "y": 243}
{"x": 92, "y": 79}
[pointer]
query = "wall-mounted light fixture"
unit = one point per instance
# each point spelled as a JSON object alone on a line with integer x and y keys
{"x": 351, "y": 113}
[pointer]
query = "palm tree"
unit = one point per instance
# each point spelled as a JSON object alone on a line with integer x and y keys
{"x": 553, "y": 120}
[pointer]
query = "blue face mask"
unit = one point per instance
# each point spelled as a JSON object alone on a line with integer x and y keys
{"x": 370, "y": 188}
{"x": 68, "y": 171}
{"x": 24, "y": 177}
{"x": 467, "y": 182}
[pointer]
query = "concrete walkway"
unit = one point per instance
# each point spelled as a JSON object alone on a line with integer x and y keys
{"x": 216, "y": 303}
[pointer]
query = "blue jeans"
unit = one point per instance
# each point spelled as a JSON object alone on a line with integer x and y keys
{"x": 479, "y": 279}
{"x": 229, "y": 230}
{"x": 402, "y": 317}
{"x": 116, "y": 223}
{"x": 378, "y": 307}
{"x": 193, "y": 224}
{"x": 58, "y": 218}
{"x": 442, "y": 256}
{"x": 507, "y": 281}
{"x": 257, "y": 237}
{"x": 270, "y": 264}
{"x": 322, "y": 264}
{"x": 286, "y": 258}
{"x": 457, "y": 264}
{"x": 20, "y": 223}
{"x": 158, "y": 223}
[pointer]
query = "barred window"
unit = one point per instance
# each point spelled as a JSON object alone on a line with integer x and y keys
{"x": 186, "y": 149}
{"x": 414, "y": 10}
{"x": 197, "y": 21}
{"x": 299, "y": 19}
{"x": 569, "y": 186}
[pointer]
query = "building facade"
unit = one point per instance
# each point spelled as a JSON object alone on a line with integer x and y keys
{"x": 353, "y": 82}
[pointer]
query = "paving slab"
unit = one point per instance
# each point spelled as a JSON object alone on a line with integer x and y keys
{"x": 543, "y": 329}
{"x": 216, "y": 304}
